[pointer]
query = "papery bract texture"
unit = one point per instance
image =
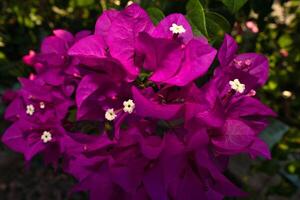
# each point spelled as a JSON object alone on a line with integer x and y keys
{"x": 122, "y": 108}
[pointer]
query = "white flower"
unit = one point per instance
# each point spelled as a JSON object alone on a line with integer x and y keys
{"x": 46, "y": 136}
{"x": 42, "y": 105}
{"x": 287, "y": 94}
{"x": 110, "y": 114}
{"x": 29, "y": 109}
{"x": 237, "y": 85}
{"x": 128, "y": 106}
{"x": 129, "y": 3}
{"x": 177, "y": 29}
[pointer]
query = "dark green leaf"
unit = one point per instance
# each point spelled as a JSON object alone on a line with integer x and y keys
{"x": 274, "y": 132}
{"x": 196, "y": 17}
{"x": 155, "y": 14}
{"x": 204, "y": 3}
{"x": 294, "y": 179}
{"x": 216, "y": 23}
{"x": 234, "y": 5}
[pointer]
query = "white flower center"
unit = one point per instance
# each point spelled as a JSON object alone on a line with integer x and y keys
{"x": 29, "y": 109}
{"x": 128, "y": 106}
{"x": 46, "y": 136}
{"x": 237, "y": 85}
{"x": 110, "y": 114}
{"x": 177, "y": 29}
{"x": 42, "y": 105}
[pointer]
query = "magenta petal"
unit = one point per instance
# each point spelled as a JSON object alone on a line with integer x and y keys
{"x": 249, "y": 106}
{"x": 225, "y": 187}
{"x": 29, "y": 59}
{"x": 129, "y": 177}
{"x": 123, "y": 35}
{"x": 34, "y": 149}
{"x": 191, "y": 187}
{"x": 88, "y": 85}
{"x": 54, "y": 45}
{"x": 89, "y": 47}
{"x": 99, "y": 185}
{"x": 53, "y": 50}
{"x": 259, "y": 148}
{"x": 163, "y": 28}
{"x": 14, "y": 138}
{"x": 51, "y": 154}
{"x": 199, "y": 139}
{"x": 104, "y": 22}
{"x": 159, "y": 53}
{"x": 151, "y": 146}
{"x": 86, "y": 95}
{"x": 208, "y": 110}
{"x": 258, "y": 68}
{"x": 219, "y": 183}
{"x": 236, "y": 137}
{"x": 148, "y": 108}
{"x": 77, "y": 165}
{"x": 199, "y": 55}
{"x": 227, "y": 51}
{"x": 82, "y": 34}
{"x": 161, "y": 56}
{"x": 173, "y": 158}
{"x": 117, "y": 124}
{"x": 53, "y": 77}
{"x": 14, "y": 109}
{"x": 155, "y": 184}
{"x": 64, "y": 35}
{"x": 140, "y": 194}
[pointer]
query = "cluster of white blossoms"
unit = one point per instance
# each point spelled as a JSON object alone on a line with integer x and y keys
{"x": 30, "y": 108}
{"x": 237, "y": 86}
{"x": 128, "y": 106}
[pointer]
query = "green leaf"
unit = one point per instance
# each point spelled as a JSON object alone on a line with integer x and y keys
{"x": 216, "y": 23}
{"x": 83, "y": 3}
{"x": 196, "y": 31}
{"x": 285, "y": 41}
{"x": 155, "y": 14}
{"x": 274, "y": 132}
{"x": 204, "y": 3}
{"x": 234, "y": 5}
{"x": 196, "y": 16}
{"x": 294, "y": 179}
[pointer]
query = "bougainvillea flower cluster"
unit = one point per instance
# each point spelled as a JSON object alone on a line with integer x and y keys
{"x": 131, "y": 111}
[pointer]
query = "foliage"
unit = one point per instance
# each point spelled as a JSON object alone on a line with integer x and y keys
{"x": 23, "y": 24}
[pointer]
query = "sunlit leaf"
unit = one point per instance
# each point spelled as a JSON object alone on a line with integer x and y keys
{"x": 83, "y": 3}
{"x": 285, "y": 41}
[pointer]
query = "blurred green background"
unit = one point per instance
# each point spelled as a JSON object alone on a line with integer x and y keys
{"x": 271, "y": 27}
